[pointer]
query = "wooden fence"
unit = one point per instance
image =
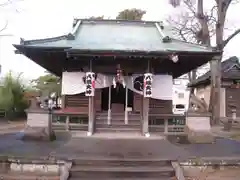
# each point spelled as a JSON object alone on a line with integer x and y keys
{"x": 168, "y": 124}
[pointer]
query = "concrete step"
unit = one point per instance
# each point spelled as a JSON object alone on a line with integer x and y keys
{"x": 82, "y": 127}
{"x": 27, "y": 176}
{"x": 130, "y": 121}
{"x": 117, "y": 129}
{"x": 118, "y": 125}
{"x": 117, "y": 113}
{"x": 120, "y": 115}
{"x": 121, "y": 172}
{"x": 156, "y": 129}
{"x": 119, "y": 118}
{"x": 137, "y": 178}
{"x": 122, "y": 162}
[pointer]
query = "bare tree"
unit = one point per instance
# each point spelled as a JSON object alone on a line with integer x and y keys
{"x": 198, "y": 24}
{"x": 4, "y": 4}
{"x": 202, "y": 24}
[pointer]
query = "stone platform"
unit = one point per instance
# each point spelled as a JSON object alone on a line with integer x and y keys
{"x": 113, "y": 151}
{"x": 69, "y": 145}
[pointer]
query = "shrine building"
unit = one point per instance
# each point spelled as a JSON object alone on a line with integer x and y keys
{"x": 117, "y": 75}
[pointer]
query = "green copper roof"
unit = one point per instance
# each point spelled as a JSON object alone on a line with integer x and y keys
{"x": 118, "y": 35}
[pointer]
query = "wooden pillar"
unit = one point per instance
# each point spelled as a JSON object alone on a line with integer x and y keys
{"x": 145, "y": 116}
{"x": 63, "y": 105}
{"x": 63, "y": 97}
{"x": 67, "y": 123}
{"x": 126, "y": 105}
{"x": 215, "y": 103}
{"x": 165, "y": 125}
{"x": 109, "y": 105}
{"x": 145, "y": 124}
{"x": 91, "y": 114}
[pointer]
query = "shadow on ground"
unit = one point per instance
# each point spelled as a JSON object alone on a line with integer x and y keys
{"x": 222, "y": 147}
{"x": 68, "y": 147}
{"x": 11, "y": 145}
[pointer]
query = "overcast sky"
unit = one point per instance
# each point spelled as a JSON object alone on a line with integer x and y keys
{"x": 32, "y": 19}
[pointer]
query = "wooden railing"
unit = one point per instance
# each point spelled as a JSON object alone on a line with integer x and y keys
{"x": 167, "y": 123}
{"x": 70, "y": 122}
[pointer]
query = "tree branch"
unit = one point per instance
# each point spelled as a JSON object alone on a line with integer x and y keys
{"x": 226, "y": 41}
{"x": 5, "y": 26}
{"x": 205, "y": 36}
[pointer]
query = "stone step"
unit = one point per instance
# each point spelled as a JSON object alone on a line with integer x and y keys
{"x": 132, "y": 121}
{"x": 27, "y": 176}
{"x": 118, "y": 125}
{"x": 82, "y": 127}
{"x": 116, "y": 113}
{"x": 117, "y": 129}
{"x": 137, "y": 178}
{"x": 116, "y": 122}
{"x": 121, "y": 172}
{"x": 119, "y": 118}
{"x": 156, "y": 128}
{"x": 122, "y": 162}
{"x": 119, "y": 115}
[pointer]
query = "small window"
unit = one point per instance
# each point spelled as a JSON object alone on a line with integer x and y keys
{"x": 180, "y": 106}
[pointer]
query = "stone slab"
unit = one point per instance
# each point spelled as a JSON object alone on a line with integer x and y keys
{"x": 38, "y": 126}
{"x": 66, "y": 147}
{"x": 38, "y": 134}
{"x": 199, "y": 129}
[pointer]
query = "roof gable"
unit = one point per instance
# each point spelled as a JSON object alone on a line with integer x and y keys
{"x": 230, "y": 69}
{"x": 234, "y": 68}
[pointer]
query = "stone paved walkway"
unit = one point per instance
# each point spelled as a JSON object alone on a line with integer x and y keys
{"x": 222, "y": 148}
{"x": 75, "y": 147}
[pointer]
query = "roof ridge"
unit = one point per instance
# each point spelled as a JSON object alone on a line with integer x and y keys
{"x": 115, "y": 20}
{"x": 44, "y": 40}
{"x": 226, "y": 65}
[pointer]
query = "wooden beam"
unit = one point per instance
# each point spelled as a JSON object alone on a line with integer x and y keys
{"x": 63, "y": 101}
{"x": 145, "y": 115}
{"x": 91, "y": 114}
{"x": 146, "y": 110}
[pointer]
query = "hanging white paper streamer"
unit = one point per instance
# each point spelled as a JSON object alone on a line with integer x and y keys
{"x": 72, "y": 83}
